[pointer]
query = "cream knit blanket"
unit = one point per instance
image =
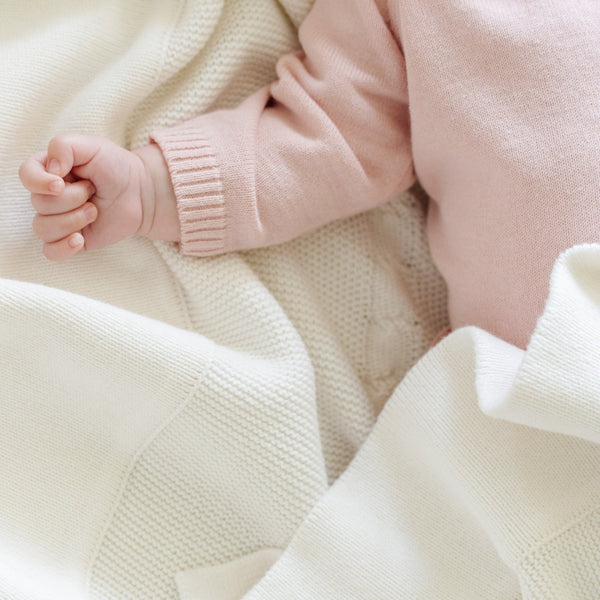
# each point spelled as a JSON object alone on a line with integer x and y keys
{"x": 173, "y": 427}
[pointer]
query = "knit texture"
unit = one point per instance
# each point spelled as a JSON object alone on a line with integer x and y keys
{"x": 352, "y": 307}
{"x": 167, "y": 419}
{"x": 503, "y": 136}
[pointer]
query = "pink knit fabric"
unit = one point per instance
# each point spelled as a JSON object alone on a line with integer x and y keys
{"x": 494, "y": 105}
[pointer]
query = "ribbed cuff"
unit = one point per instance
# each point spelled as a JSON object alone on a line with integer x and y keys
{"x": 196, "y": 178}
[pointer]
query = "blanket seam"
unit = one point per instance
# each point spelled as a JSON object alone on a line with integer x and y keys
{"x": 569, "y": 525}
{"x": 131, "y": 466}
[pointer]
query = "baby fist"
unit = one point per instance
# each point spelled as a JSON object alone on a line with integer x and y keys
{"x": 86, "y": 191}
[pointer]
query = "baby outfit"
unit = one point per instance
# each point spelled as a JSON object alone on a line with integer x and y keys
{"x": 494, "y": 106}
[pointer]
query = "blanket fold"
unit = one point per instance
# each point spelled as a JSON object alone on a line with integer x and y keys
{"x": 445, "y": 502}
{"x": 552, "y": 390}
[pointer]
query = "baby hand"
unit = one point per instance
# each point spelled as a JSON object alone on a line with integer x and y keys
{"x": 88, "y": 193}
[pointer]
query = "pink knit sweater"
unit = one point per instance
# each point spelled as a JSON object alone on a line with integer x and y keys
{"x": 494, "y": 105}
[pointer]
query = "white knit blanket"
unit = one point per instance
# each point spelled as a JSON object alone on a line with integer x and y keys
{"x": 175, "y": 428}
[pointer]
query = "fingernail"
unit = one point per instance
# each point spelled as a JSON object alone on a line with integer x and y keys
{"x": 76, "y": 240}
{"x": 56, "y": 186}
{"x": 89, "y": 212}
{"x": 53, "y": 167}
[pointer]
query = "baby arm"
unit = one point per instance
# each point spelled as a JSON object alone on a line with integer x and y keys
{"x": 88, "y": 192}
{"x": 329, "y": 139}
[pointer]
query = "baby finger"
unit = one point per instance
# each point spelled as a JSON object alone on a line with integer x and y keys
{"x": 52, "y": 228}
{"x": 65, "y": 248}
{"x": 36, "y": 179}
{"x": 74, "y": 195}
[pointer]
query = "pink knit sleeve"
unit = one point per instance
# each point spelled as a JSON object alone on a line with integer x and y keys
{"x": 329, "y": 139}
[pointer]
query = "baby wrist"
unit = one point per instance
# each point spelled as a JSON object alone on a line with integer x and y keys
{"x": 160, "y": 220}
